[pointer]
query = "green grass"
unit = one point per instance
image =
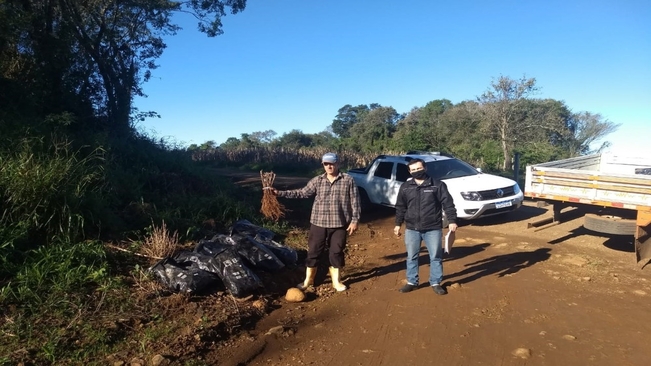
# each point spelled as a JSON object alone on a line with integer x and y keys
{"x": 57, "y": 295}
{"x": 50, "y": 274}
{"x": 57, "y": 287}
{"x": 45, "y": 188}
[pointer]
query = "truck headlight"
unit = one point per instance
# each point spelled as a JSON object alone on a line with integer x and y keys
{"x": 516, "y": 189}
{"x": 471, "y": 196}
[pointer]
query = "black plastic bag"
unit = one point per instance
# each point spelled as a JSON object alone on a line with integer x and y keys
{"x": 287, "y": 255}
{"x": 203, "y": 261}
{"x": 225, "y": 262}
{"x": 212, "y": 247}
{"x": 256, "y": 254}
{"x": 245, "y": 227}
{"x": 183, "y": 275}
{"x": 265, "y": 237}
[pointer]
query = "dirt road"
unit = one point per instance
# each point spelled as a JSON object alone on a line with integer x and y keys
{"x": 560, "y": 296}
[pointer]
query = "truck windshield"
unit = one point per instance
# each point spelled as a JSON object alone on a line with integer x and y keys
{"x": 449, "y": 168}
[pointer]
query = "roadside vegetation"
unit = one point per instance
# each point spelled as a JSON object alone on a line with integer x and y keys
{"x": 88, "y": 202}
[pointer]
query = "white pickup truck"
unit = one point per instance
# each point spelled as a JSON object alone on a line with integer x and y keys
{"x": 475, "y": 194}
{"x": 614, "y": 190}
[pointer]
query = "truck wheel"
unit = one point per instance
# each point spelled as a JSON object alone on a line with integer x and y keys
{"x": 609, "y": 224}
{"x": 364, "y": 201}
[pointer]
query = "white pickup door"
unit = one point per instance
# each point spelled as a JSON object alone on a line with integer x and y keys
{"x": 384, "y": 181}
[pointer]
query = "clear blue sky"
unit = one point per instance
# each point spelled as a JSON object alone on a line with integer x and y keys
{"x": 291, "y": 64}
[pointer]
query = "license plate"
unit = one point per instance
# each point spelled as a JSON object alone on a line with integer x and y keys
{"x": 503, "y": 204}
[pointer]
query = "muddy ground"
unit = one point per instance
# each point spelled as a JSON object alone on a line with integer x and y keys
{"x": 517, "y": 296}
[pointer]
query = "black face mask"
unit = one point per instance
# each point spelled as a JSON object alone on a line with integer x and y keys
{"x": 421, "y": 174}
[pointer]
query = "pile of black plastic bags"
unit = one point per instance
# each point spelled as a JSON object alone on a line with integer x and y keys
{"x": 226, "y": 258}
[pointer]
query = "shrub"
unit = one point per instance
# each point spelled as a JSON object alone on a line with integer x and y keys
{"x": 160, "y": 243}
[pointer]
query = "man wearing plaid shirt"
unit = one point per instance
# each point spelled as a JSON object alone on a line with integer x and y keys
{"x": 335, "y": 212}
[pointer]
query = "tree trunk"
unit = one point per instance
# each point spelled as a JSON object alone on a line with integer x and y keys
{"x": 117, "y": 73}
{"x": 506, "y": 150}
{"x": 504, "y": 138}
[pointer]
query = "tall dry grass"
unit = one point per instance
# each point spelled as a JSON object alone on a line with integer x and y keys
{"x": 160, "y": 243}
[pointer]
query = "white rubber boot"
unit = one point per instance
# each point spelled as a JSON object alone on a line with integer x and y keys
{"x": 310, "y": 273}
{"x": 334, "y": 275}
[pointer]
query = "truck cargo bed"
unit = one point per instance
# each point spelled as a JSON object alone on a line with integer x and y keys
{"x": 601, "y": 181}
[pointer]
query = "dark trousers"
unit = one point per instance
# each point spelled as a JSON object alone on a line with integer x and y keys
{"x": 319, "y": 238}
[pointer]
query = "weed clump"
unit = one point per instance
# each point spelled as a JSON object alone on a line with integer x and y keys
{"x": 160, "y": 243}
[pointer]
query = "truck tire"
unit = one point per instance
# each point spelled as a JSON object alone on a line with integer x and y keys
{"x": 364, "y": 201}
{"x": 609, "y": 224}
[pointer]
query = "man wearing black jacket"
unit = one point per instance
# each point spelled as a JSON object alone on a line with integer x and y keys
{"x": 420, "y": 205}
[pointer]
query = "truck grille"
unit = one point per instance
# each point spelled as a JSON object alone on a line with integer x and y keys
{"x": 492, "y": 194}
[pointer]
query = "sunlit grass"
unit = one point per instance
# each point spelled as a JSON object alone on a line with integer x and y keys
{"x": 160, "y": 243}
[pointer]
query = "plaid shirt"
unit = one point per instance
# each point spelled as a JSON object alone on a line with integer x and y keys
{"x": 336, "y": 204}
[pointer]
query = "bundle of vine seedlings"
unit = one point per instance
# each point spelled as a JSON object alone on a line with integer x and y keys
{"x": 271, "y": 208}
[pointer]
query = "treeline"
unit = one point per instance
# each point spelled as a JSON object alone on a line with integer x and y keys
{"x": 487, "y": 132}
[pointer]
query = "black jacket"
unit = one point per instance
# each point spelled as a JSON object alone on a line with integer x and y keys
{"x": 421, "y": 207}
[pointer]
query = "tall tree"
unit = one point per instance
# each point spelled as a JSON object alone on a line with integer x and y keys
{"x": 263, "y": 137}
{"x": 460, "y": 133}
{"x": 545, "y": 133}
{"x": 504, "y": 114}
{"x": 231, "y": 143}
{"x": 410, "y": 132}
{"x": 246, "y": 141}
{"x": 108, "y": 46}
{"x": 325, "y": 139}
{"x": 588, "y": 128}
{"x": 348, "y": 116}
{"x": 375, "y": 130}
{"x": 420, "y": 128}
{"x": 435, "y": 108}
{"x": 293, "y": 139}
{"x": 430, "y": 125}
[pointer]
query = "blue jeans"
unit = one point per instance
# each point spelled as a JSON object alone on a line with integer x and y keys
{"x": 432, "y": 239}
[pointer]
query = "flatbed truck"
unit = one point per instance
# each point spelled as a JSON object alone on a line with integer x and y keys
{"x": 597, "y": 182}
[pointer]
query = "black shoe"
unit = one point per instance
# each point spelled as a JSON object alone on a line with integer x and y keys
{"x": 439, "y": 290}
{"x": 408, "y": 288}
